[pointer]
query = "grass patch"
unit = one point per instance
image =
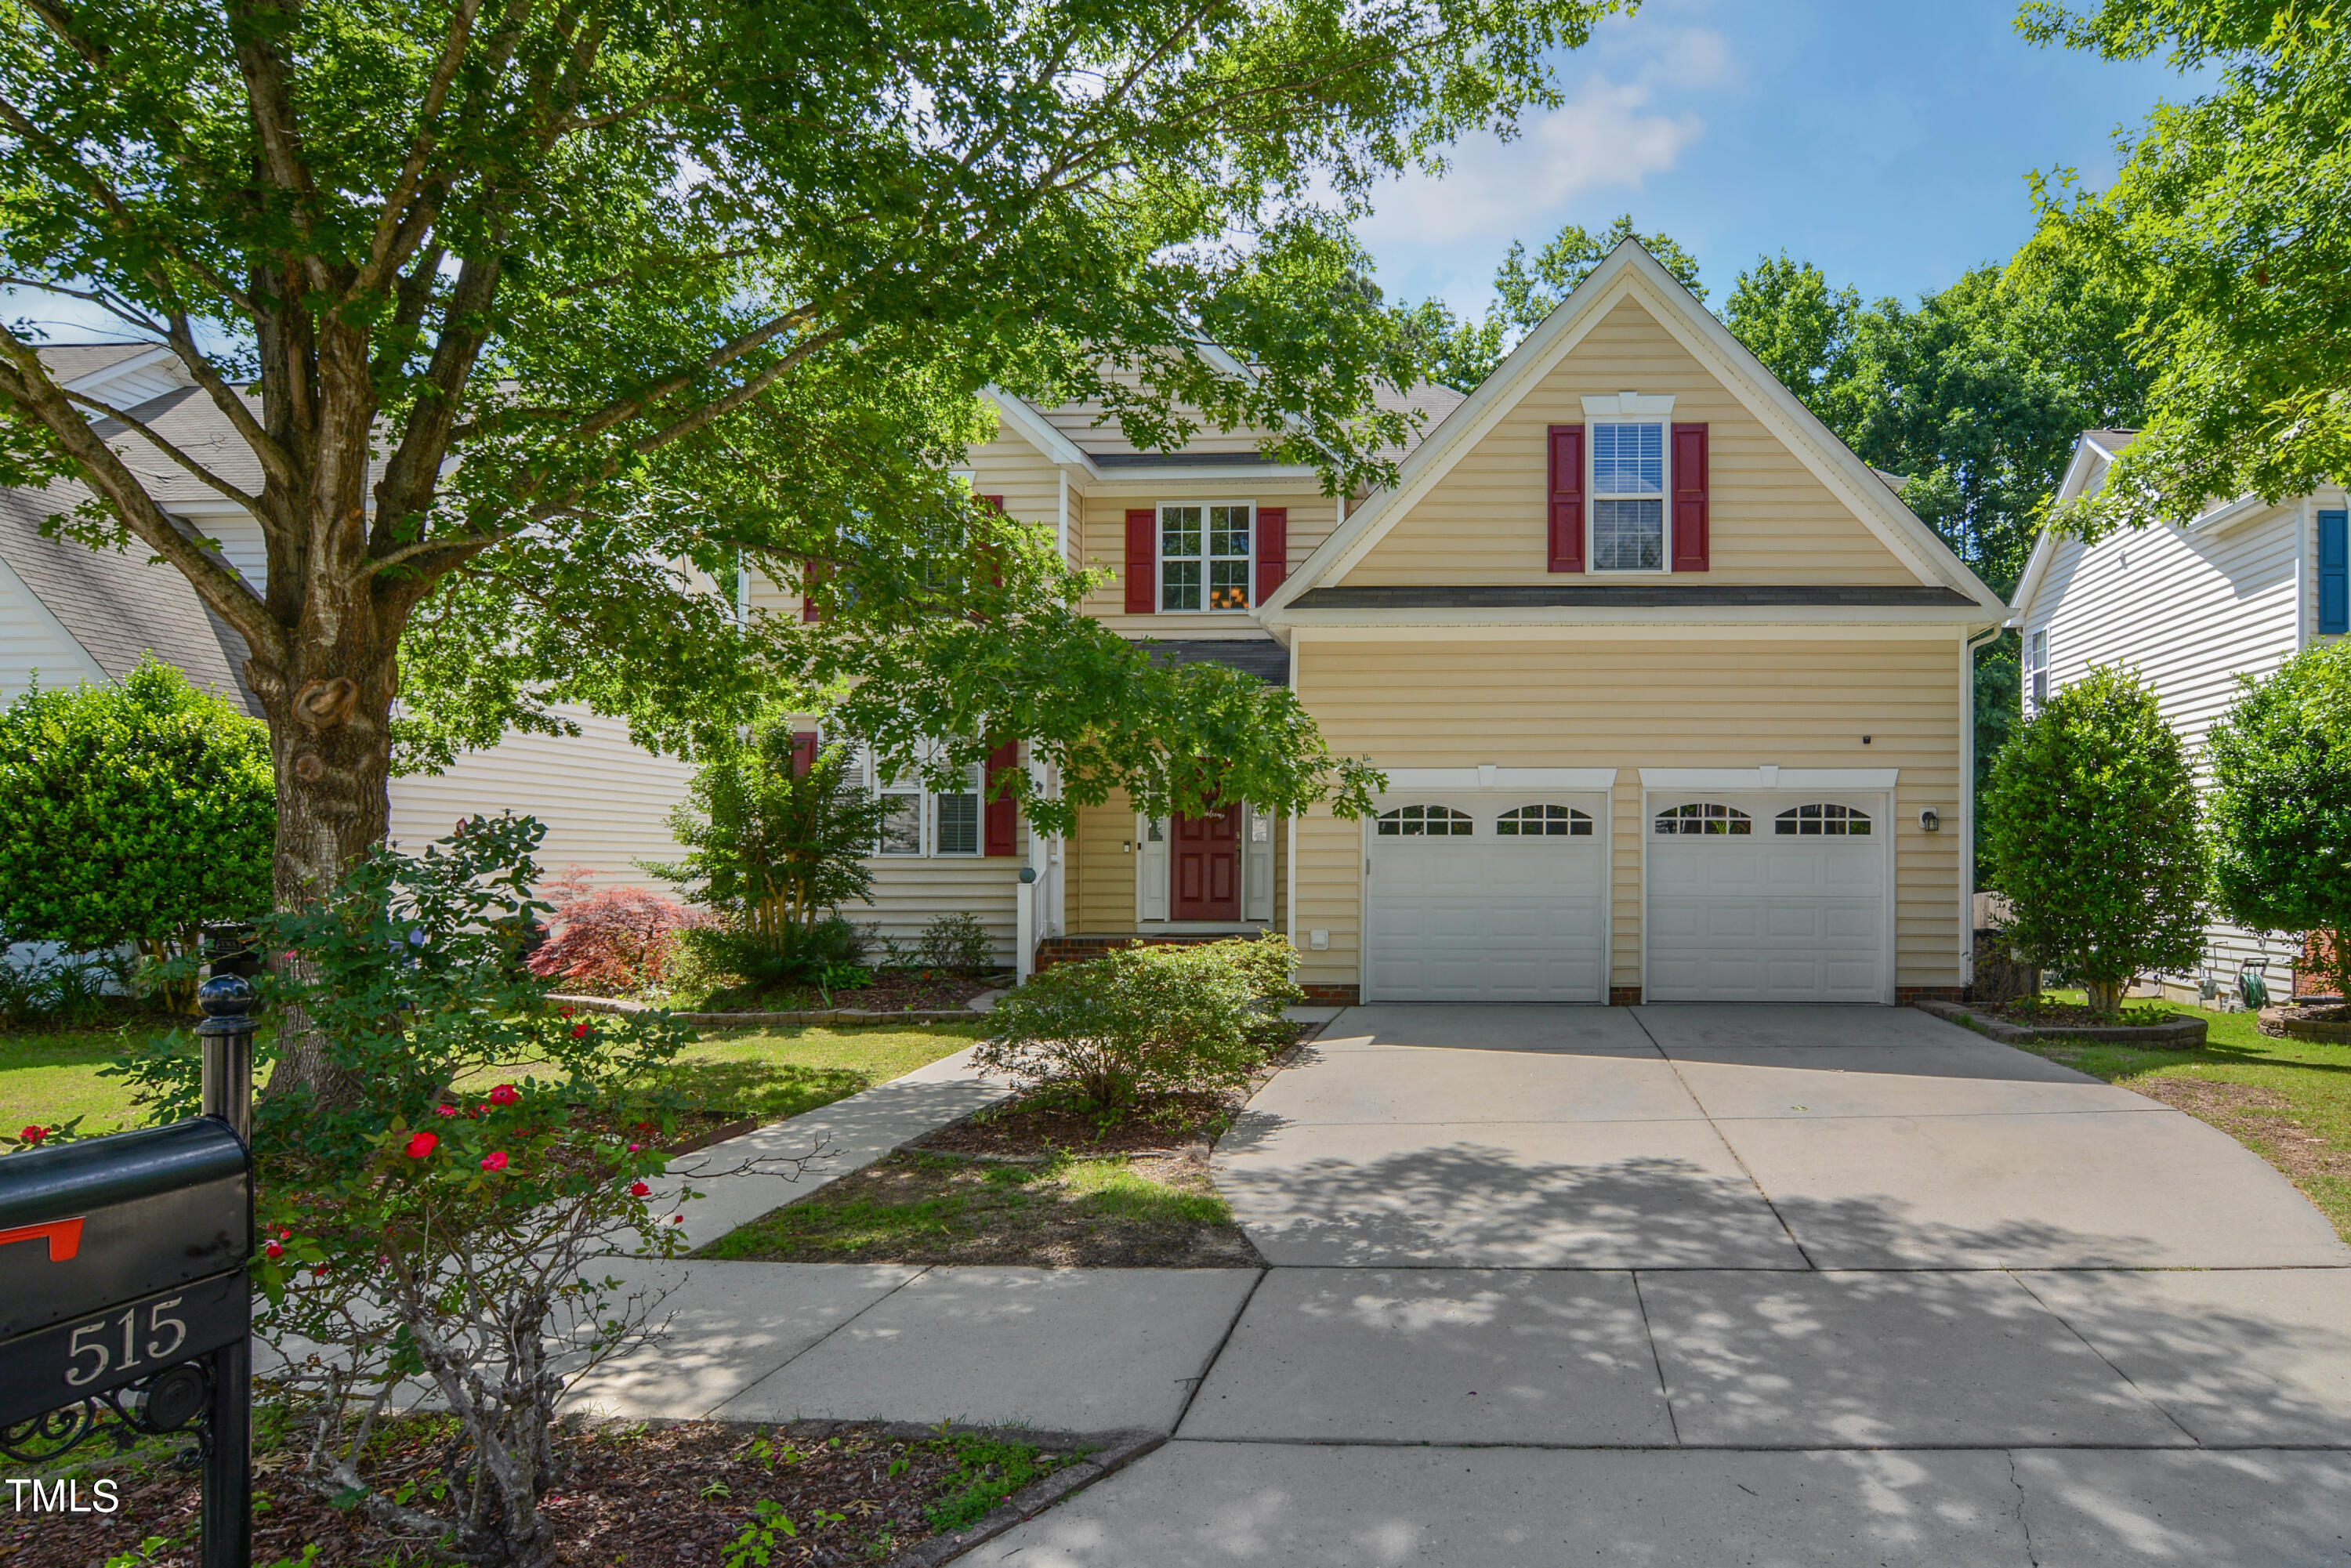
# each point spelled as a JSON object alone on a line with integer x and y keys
{"x": 923, "y": 1207}
{"x": 2289, "y": 1100}
{"x": 767, "y": 1074}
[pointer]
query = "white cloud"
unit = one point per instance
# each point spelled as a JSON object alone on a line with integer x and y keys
{"x": 1607, "y": 137}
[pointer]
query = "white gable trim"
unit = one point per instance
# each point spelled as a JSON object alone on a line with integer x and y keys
{"x": 94, "y": 383}
{"x": 1632, "y": 271}
{"x": 1039, "y": 433}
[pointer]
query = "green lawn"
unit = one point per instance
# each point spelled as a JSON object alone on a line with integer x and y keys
{"x": 2289, "y": 1100}
{"x": 767, "y": 1073}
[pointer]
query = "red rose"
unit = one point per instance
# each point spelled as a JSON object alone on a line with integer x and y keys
{"x": 639, "y": 1189}
{"x": 494, "y": 1162}
{"x": 445, "y": 1109}
{"x": 503, "y": 1094}
{"x": 677, "y": 1219}
{"x": 275, "y": 1250}
{"x": 423, "y": 1144}
{"x": 33, "y": 1134}
{"x": 579, "y": 1031}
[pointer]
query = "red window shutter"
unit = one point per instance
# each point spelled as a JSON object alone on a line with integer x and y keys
{"x": 1272, "y": 550}
{"x": 812, "y": 573}
{"x": 1002, "y": 814}
{"x": 1142, "y": 561}
{"x": 1566, "y": 497}
{"x": 803, "y": 751}
{"x": 1689, "y": 497}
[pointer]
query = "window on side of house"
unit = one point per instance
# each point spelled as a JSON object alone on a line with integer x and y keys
{"x": 1206, "y": 550}
{"x": 923, "y": 821}
{"x": 2036, "y": 667}
{"x": 1628, "y": 496}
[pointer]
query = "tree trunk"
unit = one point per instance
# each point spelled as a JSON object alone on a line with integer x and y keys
{"x": 2106, "y": 995}
{"x": 330, "y": 742}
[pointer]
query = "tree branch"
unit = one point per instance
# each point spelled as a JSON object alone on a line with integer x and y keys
{"x": 203, "y": 475}
{"x": 24, "y": 382}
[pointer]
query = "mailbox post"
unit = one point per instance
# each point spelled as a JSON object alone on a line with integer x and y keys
{"x": 123, "y": 1282}
{"x": 228, "y": 1036}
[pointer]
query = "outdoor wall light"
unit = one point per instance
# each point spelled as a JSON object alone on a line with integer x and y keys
{"x": 1929, "y": 821}
{"x": 1027, "y": 874}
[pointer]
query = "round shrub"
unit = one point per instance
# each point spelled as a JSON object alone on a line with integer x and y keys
{"x": 2089, "y": 828}
{"x": 135, "y": 813}
{"x": 2280, "y": 809}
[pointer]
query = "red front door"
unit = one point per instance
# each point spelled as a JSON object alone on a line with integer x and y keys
{"x": 1207, "y": 868}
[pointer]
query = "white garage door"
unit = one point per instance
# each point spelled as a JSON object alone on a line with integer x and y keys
{"x": 1766, "y": 898}
{"x": 1488, "y": 898}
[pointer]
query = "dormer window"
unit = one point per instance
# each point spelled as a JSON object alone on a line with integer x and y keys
{"x": 1628, "y": 496}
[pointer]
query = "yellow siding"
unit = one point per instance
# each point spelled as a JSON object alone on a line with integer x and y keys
{"x": 1536, "y": 703}
{"x": 1030, "y": 486}
{"x": 1102, "y": 543}
{"x": 1770, "y": 520}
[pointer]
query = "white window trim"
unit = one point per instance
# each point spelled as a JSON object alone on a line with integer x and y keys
{"x": 1159, "y": 558}
{"x": 1662, "y": 418}
{"x": 926, "y": 815}
{"x": 2036, "y": 669}
{"x": 1769, "y": 777}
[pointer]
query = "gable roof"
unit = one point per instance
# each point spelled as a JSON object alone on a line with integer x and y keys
{"x": 118, "y": 604}
{"x": 1631, "y": 271}
{"x": 1096, "y": 452}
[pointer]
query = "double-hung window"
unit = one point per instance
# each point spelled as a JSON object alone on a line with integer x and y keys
{"x": 927, "y": 821}
{"x": 1205, "y": 556}
{"x": 2036, "y": 668}
{"x": 1628, "y": 496}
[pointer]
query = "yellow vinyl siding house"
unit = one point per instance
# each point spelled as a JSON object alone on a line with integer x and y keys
{"x": 1670, "y": 689}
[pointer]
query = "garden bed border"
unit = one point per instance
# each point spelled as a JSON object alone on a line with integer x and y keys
{"x": 2279, "y": 1020}
{"x": 766, "y": 1020}
{"x": 2184, "y": 1034}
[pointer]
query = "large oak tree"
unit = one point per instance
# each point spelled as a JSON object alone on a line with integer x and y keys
{"x": 539, "y": 320}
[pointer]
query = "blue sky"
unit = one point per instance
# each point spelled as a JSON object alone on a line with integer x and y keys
{"x": 1888, "y": 142}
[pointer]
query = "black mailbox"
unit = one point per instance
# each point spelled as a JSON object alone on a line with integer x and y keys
{"x": 119, "y": 1256}
{"x": 111, "y": 1219}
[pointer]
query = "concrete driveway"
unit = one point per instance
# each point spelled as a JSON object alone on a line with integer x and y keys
{"x": 1716, "y": 1285}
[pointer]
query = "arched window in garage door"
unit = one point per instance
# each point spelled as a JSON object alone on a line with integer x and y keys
{"x": 1823, "y": 820}
{"x": 1705, "y": 817}
{"x": 1424, "y": 822}
{"x": 1543, "y": 822}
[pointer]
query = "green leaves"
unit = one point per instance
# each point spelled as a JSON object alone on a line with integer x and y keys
{"x": 2090, "y": 829}
{"x": 2280, "y": 808}
{"x": 2226, "y": 225}
{"x": 131, "y": 812}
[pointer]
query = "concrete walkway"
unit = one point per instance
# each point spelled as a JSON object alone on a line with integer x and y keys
{"x": 1703, "y": 1285}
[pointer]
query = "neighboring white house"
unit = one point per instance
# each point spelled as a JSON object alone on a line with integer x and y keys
{"x": 2237, "y": 591}
{"x": 77, "y": 615}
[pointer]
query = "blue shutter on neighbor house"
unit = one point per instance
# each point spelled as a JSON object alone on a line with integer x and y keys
{"x": 2334, "y": 572}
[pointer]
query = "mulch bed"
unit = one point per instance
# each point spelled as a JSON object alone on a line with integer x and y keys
{"x": 642, "y": 1497}
{"x": 893, "y": 991}
{"x": 2062, "y": 1015}
{"x": 1161, "y": 1124}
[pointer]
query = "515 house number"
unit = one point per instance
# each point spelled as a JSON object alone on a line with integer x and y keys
{"x": 160, "y": 1337}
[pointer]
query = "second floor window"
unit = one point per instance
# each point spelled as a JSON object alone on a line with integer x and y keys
{"x": 1628, "y": 496}
{"x": 1204, "y": 556}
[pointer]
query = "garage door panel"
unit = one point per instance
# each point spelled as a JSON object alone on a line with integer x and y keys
{"x": 1762, "y": 916}
{"x": 1481, "y": 916}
